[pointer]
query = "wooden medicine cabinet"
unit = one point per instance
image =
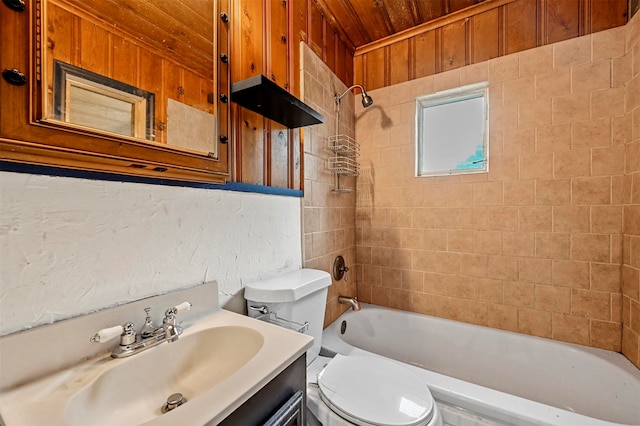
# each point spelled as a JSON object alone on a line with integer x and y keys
{"x": 132, "y": 87}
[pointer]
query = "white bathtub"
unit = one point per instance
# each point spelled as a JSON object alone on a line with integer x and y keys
{"x": 504, "y": 376}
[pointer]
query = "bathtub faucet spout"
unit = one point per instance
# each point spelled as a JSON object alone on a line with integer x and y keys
{"x": 351, "y": 301}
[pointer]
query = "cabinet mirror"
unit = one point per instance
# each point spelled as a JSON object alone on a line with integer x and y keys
{"x": 134, "y": 68}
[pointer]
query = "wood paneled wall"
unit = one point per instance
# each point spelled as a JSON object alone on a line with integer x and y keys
{"x": 488, "y": 30}
{"x": 326, "y": 42}
{"x": 266, "y": 40}
{"x": 262, "y": 34}
{"x": 80, "y": 39}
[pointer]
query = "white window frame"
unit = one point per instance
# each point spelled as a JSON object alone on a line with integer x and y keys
{"x": 449, "y": 97}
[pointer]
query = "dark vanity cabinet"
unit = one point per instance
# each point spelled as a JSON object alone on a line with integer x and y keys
{"x": 278, "y": 402}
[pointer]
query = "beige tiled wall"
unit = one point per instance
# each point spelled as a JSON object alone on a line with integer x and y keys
{"x": 535, "y": 245}
{"x": 328, "y": 217}
{"x": 631, "y": 208}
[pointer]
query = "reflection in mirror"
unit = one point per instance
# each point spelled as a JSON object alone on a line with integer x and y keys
{"x": 91, "y": 100}
{"x": 133, "y": 68}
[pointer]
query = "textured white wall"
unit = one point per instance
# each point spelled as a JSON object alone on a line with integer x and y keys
{"x": 71, "y": 246}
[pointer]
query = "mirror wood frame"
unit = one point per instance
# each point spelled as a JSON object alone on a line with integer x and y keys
{"x": 24, "y": 138}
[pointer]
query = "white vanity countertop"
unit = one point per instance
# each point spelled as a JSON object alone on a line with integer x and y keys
{"x": 45, "y": 401}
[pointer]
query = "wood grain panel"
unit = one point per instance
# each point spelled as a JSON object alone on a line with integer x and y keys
{"x": 279, "y": 155}
{"x": 359, "y": 69}
{"x": 252, "y": 142}
{"x": 298, "y": 16}
{"x": 151, "y": 78}
{"x": 348, "y": 79}
{"x": 453, "y": 45}
{"x": 172, "y": 84}
{"x": 521, "y": 26}
{"x": 60, "y": 34}
{"x": 247, "y": 53}
{"x": 608, "y": 14}
{"x": 399, "y": 66}
{"x": 562, "y": 20}
{"x": 278, "y": 46}
{"x": 342, "y": 59}
{"x": 195, "y": 91}
{"x": 424, "y": 52}
{"x": 61, "y": 40}
{"x": 330, "y": 48}
{"x": 94, "y": 48}
{"x": 374, "y": 69}
{"x": 316, "y": 29}
{"x": 485, "y": 36}
{"x": 124, "y": 52}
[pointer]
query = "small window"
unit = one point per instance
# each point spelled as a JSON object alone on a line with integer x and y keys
{"x": 452, "y": 132}
{"x": 91, "y": 100}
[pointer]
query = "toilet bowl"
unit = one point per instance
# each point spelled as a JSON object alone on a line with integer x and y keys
{"x": 366, "y": 391}
{"x": 345, "y": 389}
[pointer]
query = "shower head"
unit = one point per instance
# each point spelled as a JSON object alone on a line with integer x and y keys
{"x": 367, "y": 100}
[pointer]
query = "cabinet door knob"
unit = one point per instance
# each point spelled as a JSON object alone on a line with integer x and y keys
{"x": 224, "y": 17}
{"x": 224, "y": 139}
{"x": 15, "y": 5}
{"x": 224, "y": 58}
{"x": 13, "y": 76}
{"x": 224, "y": 98}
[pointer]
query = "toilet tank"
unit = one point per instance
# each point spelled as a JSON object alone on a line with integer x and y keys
{"x": 299, "y": 296}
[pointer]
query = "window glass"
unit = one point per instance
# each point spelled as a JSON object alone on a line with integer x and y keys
{"x": 452, "y": 129}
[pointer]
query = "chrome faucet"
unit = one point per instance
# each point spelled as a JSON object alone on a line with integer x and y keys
{"x": 351, "y": 301}
{"x": 147, "y": 337}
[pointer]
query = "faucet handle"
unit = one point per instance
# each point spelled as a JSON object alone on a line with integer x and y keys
{"x": 107, "y": 334}
{"x": 126, "y": 332}
{"x": 183, "y": 307}
{"x": 172, "y": 329}
{"x": 171, "y": 313}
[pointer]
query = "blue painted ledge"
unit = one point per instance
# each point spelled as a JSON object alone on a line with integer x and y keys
{"x": 8, "y": 166}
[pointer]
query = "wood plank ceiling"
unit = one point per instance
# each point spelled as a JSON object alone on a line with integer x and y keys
{"x": 360, "y": 22}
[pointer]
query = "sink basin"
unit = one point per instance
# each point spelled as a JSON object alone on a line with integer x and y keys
{"x": 134, "y": 391}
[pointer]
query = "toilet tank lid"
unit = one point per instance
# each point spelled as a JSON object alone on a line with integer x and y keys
{"x": 288, "y": 287}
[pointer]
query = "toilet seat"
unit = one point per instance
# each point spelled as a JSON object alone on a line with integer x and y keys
{"x": 368, "y": 390}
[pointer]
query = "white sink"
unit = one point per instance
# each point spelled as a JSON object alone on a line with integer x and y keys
{"x": 217, "y": 363}
{"x": 133, "y": 392}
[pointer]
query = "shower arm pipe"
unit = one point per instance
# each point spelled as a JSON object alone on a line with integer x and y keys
{"x": 338, "y": 98}
{"x": 336, "y": 176}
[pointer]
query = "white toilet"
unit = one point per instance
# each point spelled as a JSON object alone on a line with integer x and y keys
{"x": 346, "y": 389}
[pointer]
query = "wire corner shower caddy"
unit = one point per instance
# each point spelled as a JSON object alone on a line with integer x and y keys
{"x": 344, "y": 148}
